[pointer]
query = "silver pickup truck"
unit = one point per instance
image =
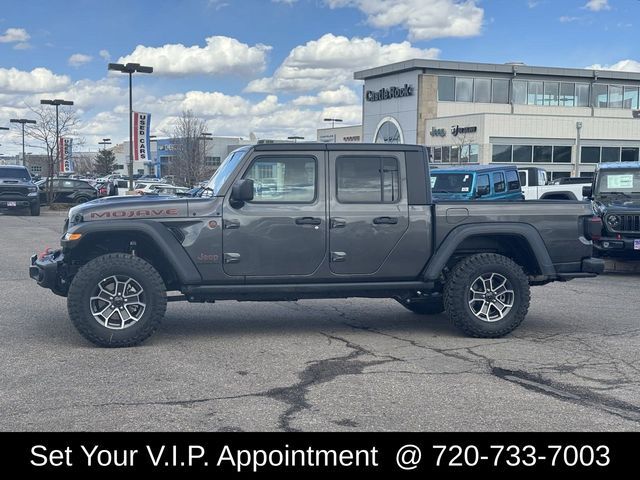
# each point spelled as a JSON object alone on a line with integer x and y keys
{"x": 284, "y": 222}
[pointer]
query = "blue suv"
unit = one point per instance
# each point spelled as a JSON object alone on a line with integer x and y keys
{"x": 476, "y": 182}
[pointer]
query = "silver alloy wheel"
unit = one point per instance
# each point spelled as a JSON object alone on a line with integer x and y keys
{"x": 117, "y": 302}
{"x": 491, "y": 297}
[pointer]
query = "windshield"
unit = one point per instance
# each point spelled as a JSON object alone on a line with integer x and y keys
{"x": 618, "y": 181}
{"x": 225, "y": 169}
{"x": 451, "y": 182}
{"x": 17, "y": 173}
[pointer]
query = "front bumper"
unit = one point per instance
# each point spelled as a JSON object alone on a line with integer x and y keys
{"x": 48, "y": 270}
{"x": 614, "y": 245}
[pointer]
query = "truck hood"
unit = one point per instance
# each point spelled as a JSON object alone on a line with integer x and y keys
{"x": 618, "y": 205}
{"x": 129, "y": 207}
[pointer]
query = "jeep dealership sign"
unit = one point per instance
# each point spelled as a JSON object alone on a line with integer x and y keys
{"x": 388, "y": 93}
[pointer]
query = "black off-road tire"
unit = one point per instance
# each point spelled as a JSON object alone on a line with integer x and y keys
{"x": 86, "y": 281}
{"x": 34, "y": 209}
{"x": 424, "y": 307}
{"x": 457, "y": 290}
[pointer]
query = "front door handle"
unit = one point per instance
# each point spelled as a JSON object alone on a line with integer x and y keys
{"x": 385, "y": 220}
{"x": 308, "y": 221}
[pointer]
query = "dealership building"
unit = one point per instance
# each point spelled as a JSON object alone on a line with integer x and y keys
{"x": 561, "y": 119}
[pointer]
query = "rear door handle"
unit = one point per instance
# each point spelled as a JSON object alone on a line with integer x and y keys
{"x": 308, "y": 221}
{"x": 385, "y": 220}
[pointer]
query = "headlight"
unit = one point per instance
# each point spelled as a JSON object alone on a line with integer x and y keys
{"x": 613, "y": 221}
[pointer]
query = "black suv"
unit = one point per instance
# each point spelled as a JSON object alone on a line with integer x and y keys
{"x": 17, "y": 189}
{"x": 615, "y": 195}
{"x": 68, "y": 190}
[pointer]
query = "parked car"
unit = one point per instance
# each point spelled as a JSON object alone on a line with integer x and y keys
{"x": 349, "y": 220}
{"x": 17, "y": 190}
{"x": 171, "y": 190}
{"x": 535, "y": 186}
{"x": 145, "y": 188}
{"x": 571, "y": 181}
{"x": 615, "y": 196}
{"x": 476, "y": 182}
{"x": 66, "y": 190}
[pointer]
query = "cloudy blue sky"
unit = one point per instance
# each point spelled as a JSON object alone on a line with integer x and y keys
{"x": 275, "y": 67}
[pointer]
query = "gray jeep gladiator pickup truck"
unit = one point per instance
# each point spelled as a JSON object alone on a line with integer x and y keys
{"x": 285, "y": 222}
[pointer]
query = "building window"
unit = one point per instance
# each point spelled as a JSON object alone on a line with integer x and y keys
{"x": 562, "y": 154}
{"x": 501, "y": 153}
{"x": 534, "y": 93}
{"x": 437, "y": 154}
{"x": 445, "y": 154}
{"x": 212, "y": 162}
{"x": 464, "y": 89}
{"x": 498, "y": 182}
{"x": 36, "y": 168}
{"x": 446, "y": 89}
{"x": 600, "y": 95}
{"x": 582, "y": 95}
{"x": 615, "y": 96}
{"x": 388, "y": 132}
{"x": 367, "y": 180}
{"x": 551, "y": 93}
{"x": 522, "y": 153}
{"x": 500, "y": 91}
{"x": 519, "y": 92}
{"x": 567, "y": 95}
{"x": 610, "y": 154}
{"x": 455, "y": 154}
{"x": 629, "y": 154}
{"x": 469, "y": 153}
{"x": 630, "y": 97}
{"x": 482, "y": 90}
{"x": 590, "y": 155}
{"x": 542, "y": 153}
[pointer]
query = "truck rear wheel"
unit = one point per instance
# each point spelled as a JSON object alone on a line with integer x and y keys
{"x": 117, "y": 300}
{"x": 487, "y": 295}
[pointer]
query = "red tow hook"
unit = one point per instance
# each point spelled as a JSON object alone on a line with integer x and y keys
{"x": 46, "y": 252}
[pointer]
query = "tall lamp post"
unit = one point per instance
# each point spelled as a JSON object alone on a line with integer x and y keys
{"x": 57, "y": 102}
{"x": 130, "y": 68}
{"x": 295, "y": 138}
{"x": 104, "y": 143}
{"x": 204, "y": 137}
{"x": 333, "y": 121}
{"x": 23, "y": 121}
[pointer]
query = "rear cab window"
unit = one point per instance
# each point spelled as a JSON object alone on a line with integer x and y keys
{"x": 513, "y": 181}
{"x": 365, "y": 179}
{"x": 498, "y": 182}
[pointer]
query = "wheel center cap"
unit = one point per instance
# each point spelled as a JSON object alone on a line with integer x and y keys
{"x": 118, "y": 302}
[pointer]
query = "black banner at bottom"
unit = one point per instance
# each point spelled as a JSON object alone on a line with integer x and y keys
{"x": 206, "y": 454}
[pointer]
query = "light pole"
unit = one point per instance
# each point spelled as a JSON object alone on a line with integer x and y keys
{"x": 57, "y": 102}
{"x": 104, "y": 143}
{"x": 23, "y": 121}
{"x": 333, "y": 121}
{"x": 204, "y": 137}
{"x": 295, "y": 138}
{"x": 130, "y": 68}
{"x": 154, "y": 138}
{"x": 578, "y": 149}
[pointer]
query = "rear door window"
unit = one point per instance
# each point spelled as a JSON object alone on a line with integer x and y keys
{"x": 367, "y": 180}
{"x": 513, "y": 182}
{"x": 498, "y": 182}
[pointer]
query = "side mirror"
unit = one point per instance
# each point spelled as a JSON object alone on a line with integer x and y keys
{"x": 242, "y": 191}
{"x": 483, "y": 190}
{"x": 587, "y": 191}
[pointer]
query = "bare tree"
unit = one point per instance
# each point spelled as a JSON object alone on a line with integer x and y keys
{"x": 44, "y": 131}
{"x": 84, "y": 164}
{"x": 189, "y": 165}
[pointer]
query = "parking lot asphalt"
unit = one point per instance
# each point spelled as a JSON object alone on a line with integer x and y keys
{"x": 356, "y": 364}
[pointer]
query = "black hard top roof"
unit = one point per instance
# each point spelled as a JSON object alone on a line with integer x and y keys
{"x": 384, "y": 147}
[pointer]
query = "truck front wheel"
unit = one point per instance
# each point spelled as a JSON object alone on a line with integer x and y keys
{"x": 487, "y": 295}
{"x": 117, "y": 300}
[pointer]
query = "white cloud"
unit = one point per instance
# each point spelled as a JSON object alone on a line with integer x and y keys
{"x": 39, "y": 79}
{"x": 105, "y": 55}
{"x": 221, "y": 55}
{"x": 22, "y": 46}
{"x": 424, "y": 19}
{"x": 568, "y": 19}
{"x": 597, "y": 5}
{"x": 341, "y": 96}
{"x": 288, "y": 2}
{"x": 78, "y": 59}
{"x": 330, "y": 61}
{"x": 12, "y": 35}
{"x": 622, "y": 66}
